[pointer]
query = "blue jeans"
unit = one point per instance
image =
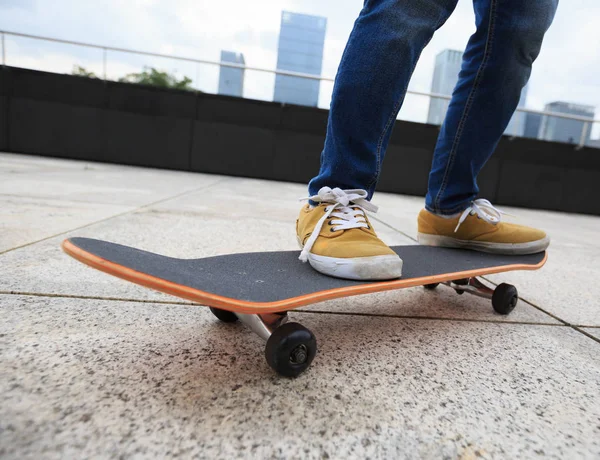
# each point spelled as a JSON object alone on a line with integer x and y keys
{"x": 373, "y": 76}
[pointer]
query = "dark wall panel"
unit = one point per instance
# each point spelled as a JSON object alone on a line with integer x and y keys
{"x": 237, "y": 111}
{"x": 50, "y": 128}
{"x": 3, "y": 120}
{"x": 3, "y": 71}
{"x": 408, "y": 159}
{"x": 151, "y": 101}
{"x": 549, "y": 153}
{"x": 233, "y": 150}
{"x": 531, "y": 185}
{"x": 304, "y": 119}
{"x": 489, "y": 179}
{"x": 417, "y": 135}
{"x": 66, "y": 89}
{"x": 297, "y": 156}
{"x": 582, "y": 191}
{"x": 405, "y": 170}
{"x": 135, "y": 139}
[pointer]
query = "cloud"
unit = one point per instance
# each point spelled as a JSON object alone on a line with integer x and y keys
{"x": 22, "y": 4}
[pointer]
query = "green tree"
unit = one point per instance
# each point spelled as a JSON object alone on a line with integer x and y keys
{"x": 151, "y": 76}
{"x": 82, "y": 72}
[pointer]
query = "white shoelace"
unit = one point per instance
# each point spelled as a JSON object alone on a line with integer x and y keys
{"x": 344, "y": 217}
{"x": 485, "y": 210}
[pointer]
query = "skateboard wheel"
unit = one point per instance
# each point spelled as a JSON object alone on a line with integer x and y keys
{"x": 431, "y": 287}
{"x": 505, "y": 298}
{"x": 461, "y": 282}
{"x": 224, "y": 315}
{"x": 290, "y": 349}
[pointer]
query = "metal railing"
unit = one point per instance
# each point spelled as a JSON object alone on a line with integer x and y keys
{"x": 587, "y": 121}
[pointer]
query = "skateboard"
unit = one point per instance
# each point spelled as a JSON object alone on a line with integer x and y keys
{"x": 259, "y": 288}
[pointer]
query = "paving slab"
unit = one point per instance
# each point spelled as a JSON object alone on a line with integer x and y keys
{"x": 418, "y": 302}
{"x": 40, "y": 197}
{"x": 21, "y": 163}
{"x": 25, "y": 220}
{"x": 89, "y": 182}
{"x": 567, "y": 286}
{"x": 595, "y": 331}
{"x": 92, "y": 378}
{"x": 399, "y": 211}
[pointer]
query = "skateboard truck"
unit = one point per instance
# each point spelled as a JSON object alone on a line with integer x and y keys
{"x": 504, "y": 298}
{"x": 263, "y": 325}
{"x": 290, "y": 347}
{"x": 472, "y": 286}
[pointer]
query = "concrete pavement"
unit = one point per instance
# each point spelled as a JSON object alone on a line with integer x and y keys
{"x": 93, "y": 366}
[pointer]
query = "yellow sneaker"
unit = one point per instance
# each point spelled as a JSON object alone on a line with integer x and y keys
{"x": 480, "y": 228}
{"x": 337, "y": 238}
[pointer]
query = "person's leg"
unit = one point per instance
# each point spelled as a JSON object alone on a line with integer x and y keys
{"x": 370, "y": 86}
{"x": 334, "y": 231}
{"x": 496, "y": 66}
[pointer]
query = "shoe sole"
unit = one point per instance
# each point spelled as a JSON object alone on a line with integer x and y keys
{"x": 376, "y": 268}
{"x": 532, "y": 247}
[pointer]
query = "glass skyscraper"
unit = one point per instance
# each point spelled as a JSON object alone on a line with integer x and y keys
{"x": 445, "y": 77}
{"x": 231, "y": 79}
{"x": 300, "y": 49}
{"x": 516, "y": 125}
{"x": 564, "y": 130}
{"x": 532, "y": 125}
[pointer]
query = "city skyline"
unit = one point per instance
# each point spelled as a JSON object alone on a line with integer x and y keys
{"x": 201, "y": 30}
{"x": 198, "y": 31}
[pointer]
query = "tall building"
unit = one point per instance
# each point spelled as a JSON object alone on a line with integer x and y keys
{"x": 594, "y": 143}
{"x": 445, "y": 77}
{"x": 231, "y": 79}
{"x": 516, "y": 125}
{"x": 300, "y": 49}
{"x": 533, "y": 122}
{"x": 562, "y": 129}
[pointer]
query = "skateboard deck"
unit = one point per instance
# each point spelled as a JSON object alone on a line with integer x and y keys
{"x": 269, "y": 282}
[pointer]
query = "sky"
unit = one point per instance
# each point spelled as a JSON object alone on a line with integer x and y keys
{"x": 568, "y": 68}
